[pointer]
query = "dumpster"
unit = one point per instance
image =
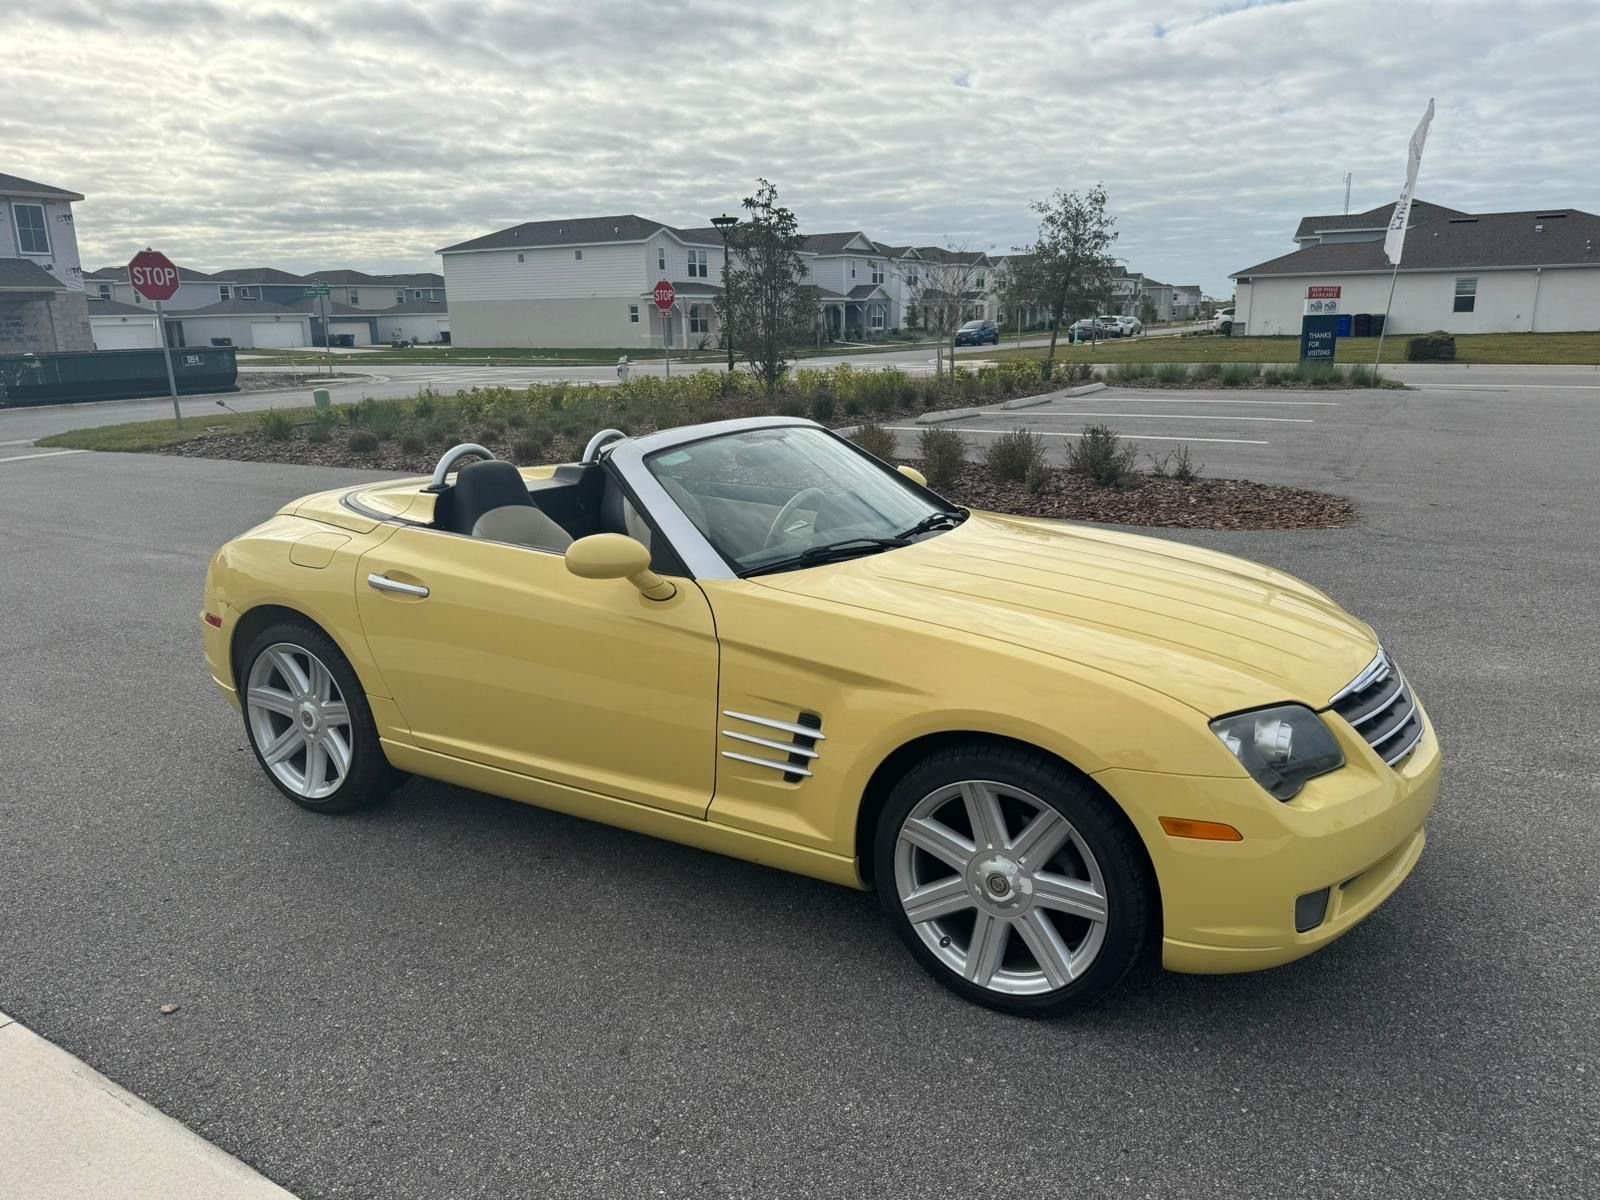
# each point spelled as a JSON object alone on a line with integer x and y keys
{"x": 113, "y": 375}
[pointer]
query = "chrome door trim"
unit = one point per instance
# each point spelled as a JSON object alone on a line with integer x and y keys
{"x": 383, "y": 583}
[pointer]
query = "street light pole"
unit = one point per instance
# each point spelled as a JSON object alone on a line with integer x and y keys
{"x": 725, "y": 225}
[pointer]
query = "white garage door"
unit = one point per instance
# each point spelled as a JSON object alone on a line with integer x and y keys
{"x": 361, "y": 330}
{"x": 130, "y": 335}
{"x": 274, "y": 333}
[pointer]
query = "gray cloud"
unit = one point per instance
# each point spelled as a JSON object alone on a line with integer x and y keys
{"x": 370, "y": 132}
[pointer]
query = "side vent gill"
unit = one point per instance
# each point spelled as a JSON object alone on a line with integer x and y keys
{"x": 795, "y": 740}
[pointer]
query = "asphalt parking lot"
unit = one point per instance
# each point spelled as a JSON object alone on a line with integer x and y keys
{"x": 458, "y": 996}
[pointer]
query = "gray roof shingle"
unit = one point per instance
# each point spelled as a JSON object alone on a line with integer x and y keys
{"x": 15, "y": 185}
{"x": 20, "y": 275}
{"x": 116, "y": 308}
{"x": 1547, "y": 237}
{"x": 836, "y": 243}
{"x": 1373, "y": 218}
{"x": 570, "y": 232}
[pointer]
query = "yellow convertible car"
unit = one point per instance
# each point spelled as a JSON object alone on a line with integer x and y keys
{"x": 1048, "y": 747}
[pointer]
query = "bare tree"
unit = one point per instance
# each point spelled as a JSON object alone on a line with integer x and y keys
{"x": 1068, "y": 269}
{"x": 766, "y": 307}
{"x": 947, "y": 290}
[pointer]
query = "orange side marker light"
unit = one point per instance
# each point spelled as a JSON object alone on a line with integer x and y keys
{"x": 1205, "y": 831}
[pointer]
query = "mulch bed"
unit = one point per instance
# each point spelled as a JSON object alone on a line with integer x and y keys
{"x": 1153, "y": 500}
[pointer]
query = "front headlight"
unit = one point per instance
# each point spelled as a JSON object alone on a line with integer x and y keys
{"x": 1281, "y": 747}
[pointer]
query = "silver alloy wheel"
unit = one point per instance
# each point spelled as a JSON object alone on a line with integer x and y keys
{"x": 299, "y": 720}
{"x": 977, "y": 862}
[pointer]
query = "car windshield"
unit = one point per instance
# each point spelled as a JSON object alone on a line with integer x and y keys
{"x": 793, "y": 496}
{"x": 971, "y": 325}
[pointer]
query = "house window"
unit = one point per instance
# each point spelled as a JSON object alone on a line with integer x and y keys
{"x": 246, "y": 293}
{"x": 416, "y": 293}
{"x": 105, "y": 291}
{"x": 633, "y": 314}
{"x": 852, "y": 268}
{"x": 355, "y": 296}
{"x": 980, "y": 283}
{"x": 522, "y": 258}
{"x": 32, "y": 236}
{"x": 699, "y": 318}
{"x": 400, "y": 293}
{"x": 661, "y": 259}
{"x": 875, "y": 317}
{"x": 698, "y": 265}
{"x": 224, "y": 292}
{"x": 577, "y": 255}
{"x": 911, "y": 279}
{"x": 1466, "y": 294}
{"x": 877, "y": 271}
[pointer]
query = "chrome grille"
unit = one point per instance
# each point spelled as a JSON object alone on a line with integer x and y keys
{"x": 1379, "y": 705}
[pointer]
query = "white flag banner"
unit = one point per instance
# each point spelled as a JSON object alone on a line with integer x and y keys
{"x": 1395, "y": 241}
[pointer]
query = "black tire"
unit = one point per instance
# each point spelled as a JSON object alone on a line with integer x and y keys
{"x": 1130, "y": 897}
{"x": 370, "y": 776}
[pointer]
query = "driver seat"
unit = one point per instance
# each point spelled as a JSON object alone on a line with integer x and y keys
{"x": 491, "y": 501}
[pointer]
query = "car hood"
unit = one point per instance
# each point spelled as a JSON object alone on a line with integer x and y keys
{"x": 1214, "y": 632}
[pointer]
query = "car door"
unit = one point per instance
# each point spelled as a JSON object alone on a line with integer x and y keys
{"x": 499, "y": 655}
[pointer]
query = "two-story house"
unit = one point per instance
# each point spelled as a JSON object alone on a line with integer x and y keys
{"x": 851, "y": 275}
{"x": 584, "y": 281}
{"x": 42, "y": 305}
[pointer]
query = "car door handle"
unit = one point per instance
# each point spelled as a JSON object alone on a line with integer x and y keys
{"x": 384, "y": 584}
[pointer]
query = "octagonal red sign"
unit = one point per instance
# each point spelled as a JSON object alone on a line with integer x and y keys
{"x": 665, "y": 295}
{"x": 153, "y": 276}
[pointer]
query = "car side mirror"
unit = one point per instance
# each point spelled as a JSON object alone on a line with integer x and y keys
{"x": 916, "y": 476}
{"x": 616, "y": 556}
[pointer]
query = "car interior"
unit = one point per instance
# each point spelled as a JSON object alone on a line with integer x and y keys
{"x": 491, "y": 500}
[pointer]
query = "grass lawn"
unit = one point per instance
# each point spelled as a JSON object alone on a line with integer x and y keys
{"x": 1557, "y": 348}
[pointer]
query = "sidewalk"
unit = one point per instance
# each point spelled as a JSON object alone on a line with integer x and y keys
{"x": 67, "y": 1132}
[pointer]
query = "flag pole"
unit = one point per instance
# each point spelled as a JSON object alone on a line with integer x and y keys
{"x": 1387, "y": 308}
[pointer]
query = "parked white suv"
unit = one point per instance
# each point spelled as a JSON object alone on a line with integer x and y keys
{"x": 1223, "y": 321}
{"x": 1125, "y": 326}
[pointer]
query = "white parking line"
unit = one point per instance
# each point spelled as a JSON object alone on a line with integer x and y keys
{"x": 1145, "y": 437}
{"x": 1056, "y": 412}
{"x": 1148, "y": 399}
{"x": 45, "y": 454}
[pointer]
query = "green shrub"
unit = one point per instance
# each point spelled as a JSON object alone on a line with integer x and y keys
{"x": 1362, "y": 376}
{"x": 1103, "y": 457}
{"x": 1179, "y": 465}
{"x": 1171, "y": 374}
{"x": 1315, "y": 374}
{"x": 1201, "y": 372}
{"x": 876, "y": 441}
{"x": 1130, "y": 372}
{"x": 1438, "y": 346}
{"x": 383, "y": 419}
{"x": 823, "y": 405}
{"x": 362, "y": 442}
{"x": 413, "y": 443}
{"x": 322, "y": 423}
{"x": 1236, "y": 374}
{"x": 943, "y": 456}
{"x": 852, "y": 406}
{"x": 276, "y": 424}
{"x": 1038, "y": 478}
{"x": 1012, "y": 455}
{"x": 529, "y": 449}
{"x": 1079, "y": 372}
{"x": 425, "y": 406}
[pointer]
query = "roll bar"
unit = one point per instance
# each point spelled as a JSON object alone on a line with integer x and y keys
{"x": 451, "y": 457}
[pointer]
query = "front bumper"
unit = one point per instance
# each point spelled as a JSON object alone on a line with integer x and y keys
{"x": 217, "y": 640}
{"x": 1230, "y": 906}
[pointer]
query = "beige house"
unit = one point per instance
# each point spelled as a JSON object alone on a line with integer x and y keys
{"x": 42, "y": 308}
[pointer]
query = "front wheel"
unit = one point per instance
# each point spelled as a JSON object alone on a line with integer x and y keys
{"x": 1012, "y": 879}
{"x": 309, "y": 723}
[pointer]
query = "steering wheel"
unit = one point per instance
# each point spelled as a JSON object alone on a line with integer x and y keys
{"x": 788, "y": 510}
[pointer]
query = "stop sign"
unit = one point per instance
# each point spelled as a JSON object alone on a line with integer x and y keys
{"x": 153, "y": 276}
{"x": 666, "y": 295}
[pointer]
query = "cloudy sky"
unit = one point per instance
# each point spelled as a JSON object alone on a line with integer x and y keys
{"x": 368, "y": 133}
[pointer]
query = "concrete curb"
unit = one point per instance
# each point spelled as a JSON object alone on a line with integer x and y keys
{"x": 70, "y": 1132}
{"x": 1086, "y": 389}
{"x": 1028, "y": 401}
{"x": 948, "y": 414}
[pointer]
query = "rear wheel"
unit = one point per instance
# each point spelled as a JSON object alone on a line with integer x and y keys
{"x": 309, "y": 723}
{"x": 1012, "y": 879}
